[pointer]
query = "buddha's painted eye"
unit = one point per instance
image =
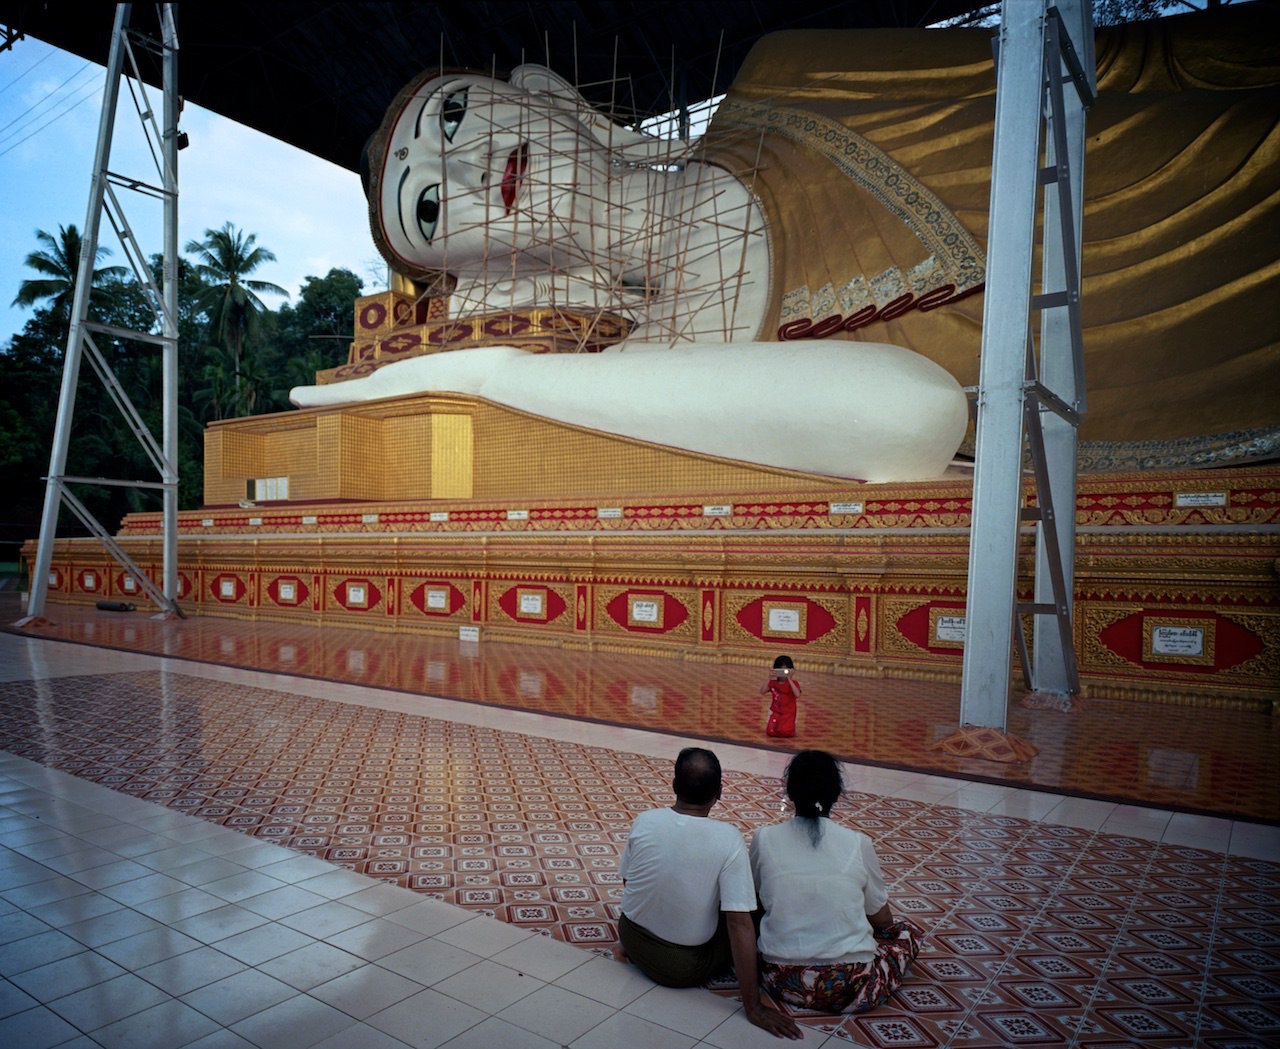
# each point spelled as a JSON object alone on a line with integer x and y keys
{"x": 452, "y": 112}
{"x": 429, "y": 211}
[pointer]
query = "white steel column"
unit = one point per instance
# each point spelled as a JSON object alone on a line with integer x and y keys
{"x": 997, "y": 481}
{"x": 1061, "y": 359}
{"x": 1007, "y": 369}
{"x": 80, "y": 342}
{"x": 169, "y": 319}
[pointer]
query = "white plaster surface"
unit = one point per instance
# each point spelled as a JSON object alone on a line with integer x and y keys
{"x": 866, "y": 411}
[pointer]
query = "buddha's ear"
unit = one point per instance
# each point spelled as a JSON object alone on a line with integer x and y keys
{"x": 633, "y": 146}
{"x": 531, "y": 77}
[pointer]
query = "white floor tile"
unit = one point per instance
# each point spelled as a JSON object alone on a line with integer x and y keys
{"x": 1255, "y": 841}
{"x": 557, "y": 1013}
{"x": 692, "y": 1010}
{"x": 169, "y": 1023}
{"x": 1084, "y": 813}
{"x": 611, "y": 982}
{"x": 635, "y": 1032}
{"x": 66, "y": 975}
{"x": 239, "y": 996}
{"x": 484, "y": 936}
{"x": 325, "y": 919}
{"x": 298, "y": 1023}
{"x": 489, "y": 986}
{"x": 365, "y": 991}
{"x": 217, "y": 924}
{"x": 38, "y": 1028}
{"x": 105, "y": 1003}
{"x": 429, "y": 961}
{"x": 543, "y": 958}
{"x": 263, "y": 943}
{"x": 429, "y": 917}
{"x": 375, "y": 939}
{"x": 362, "y": 1036}
{"x": 184, "y": 973}
{"x": 492, "y": 1033}
{"x": 312, "y": 965}
{"x": 427, "y": 1019}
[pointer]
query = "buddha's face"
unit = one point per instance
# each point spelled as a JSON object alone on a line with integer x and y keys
{"x": 476, "y": 169}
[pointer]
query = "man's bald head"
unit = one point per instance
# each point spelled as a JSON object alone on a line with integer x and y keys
{"x": 697, "y": 778}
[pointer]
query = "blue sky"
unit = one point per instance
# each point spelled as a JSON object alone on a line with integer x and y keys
{"x": 309, "y": 212}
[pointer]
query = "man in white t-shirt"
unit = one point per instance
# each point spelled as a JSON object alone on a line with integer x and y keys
{"x": 688, "y": 893}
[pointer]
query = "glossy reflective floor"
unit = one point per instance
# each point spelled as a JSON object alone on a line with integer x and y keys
{"x": 1191, "y": 758}
{"x": 193, "y": 853}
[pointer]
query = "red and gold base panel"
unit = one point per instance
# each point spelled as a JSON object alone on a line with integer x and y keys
{"x": 1176, "y": 595}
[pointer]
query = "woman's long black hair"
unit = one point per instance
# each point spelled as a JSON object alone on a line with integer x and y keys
{"x": 814, "y": 783}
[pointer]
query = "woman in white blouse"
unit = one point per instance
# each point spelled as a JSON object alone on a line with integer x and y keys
{"x": 828, "y": 940}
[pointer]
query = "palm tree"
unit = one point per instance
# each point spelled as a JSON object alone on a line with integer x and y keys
{"x": 217, "y": 397}
{"x": 59, "y": 261}
{"x": 226, "y": 257}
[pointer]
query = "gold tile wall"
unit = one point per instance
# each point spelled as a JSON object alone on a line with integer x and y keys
{"x": 328, "y": 451}
{"x": 244, "y": 454}
{"x": 404, "y": 456}
{"x": 362, "y": 458}
{"x": 452, "y": 456}
{"x": 217, "y": 487}
{"x": 451, "y": 446}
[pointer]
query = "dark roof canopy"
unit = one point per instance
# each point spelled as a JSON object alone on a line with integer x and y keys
{"x": 320, "y": 75}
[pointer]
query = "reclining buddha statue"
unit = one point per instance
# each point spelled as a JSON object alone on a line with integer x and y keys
{"x": 802, "y": 287}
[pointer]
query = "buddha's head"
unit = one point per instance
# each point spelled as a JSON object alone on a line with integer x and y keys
{"x": 468, "y": 171}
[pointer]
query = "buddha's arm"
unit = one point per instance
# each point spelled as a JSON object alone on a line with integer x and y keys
{"x": 463, "y": 371}
{"x": 861, "y": 410}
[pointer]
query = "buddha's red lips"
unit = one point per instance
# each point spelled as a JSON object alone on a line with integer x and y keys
{"x": 517, "y": 163}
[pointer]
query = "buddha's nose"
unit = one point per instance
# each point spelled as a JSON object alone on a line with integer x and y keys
{"x": 469, "y": 167}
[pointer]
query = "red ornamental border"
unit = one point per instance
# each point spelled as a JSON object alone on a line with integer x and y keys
{"x": 301, "y": 592}
{"x": 515, "y": 604}
{"x": 670, "y": 612}
{"x": 914, "y": 626}
{"x": 1233, "y": 643}
{"x": 218, "y": 592}
{"x": 818, "y": 621}
{"x": 804, "y": 328}
{"x": 454, "y": 599}
{"x": 349, "y": 595}
{"x": 954, "y": 510}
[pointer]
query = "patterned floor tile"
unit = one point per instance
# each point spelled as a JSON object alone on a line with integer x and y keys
{"x": 1037, "y": 935}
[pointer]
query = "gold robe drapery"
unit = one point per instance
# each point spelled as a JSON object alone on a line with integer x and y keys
{"x": 870, "y": 152}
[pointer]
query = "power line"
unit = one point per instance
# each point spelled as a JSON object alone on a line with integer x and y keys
{"x": 34, "y": 65}
{"x": 93, "y": 91}
{"x": 53, "y": 99}
{"x": 50, "y": 96}
{"x": 49, "y": 123}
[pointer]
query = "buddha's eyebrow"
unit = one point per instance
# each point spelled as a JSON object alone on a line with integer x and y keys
{"x": 417, "y": 124}
{"x": 400, "y": 198}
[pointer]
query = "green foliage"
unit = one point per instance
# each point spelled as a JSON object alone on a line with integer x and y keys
{"x": 235, "y": 357}
{"x": 313, "y": 336}
{"x": 1116, "y": 12}
{"x": 230, "y": 301}
{"x": 59, "y": 263}
{"x": 1105, "y": 12}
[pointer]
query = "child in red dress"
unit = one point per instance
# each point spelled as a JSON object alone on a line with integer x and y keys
{"x": 784, "y": 689}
